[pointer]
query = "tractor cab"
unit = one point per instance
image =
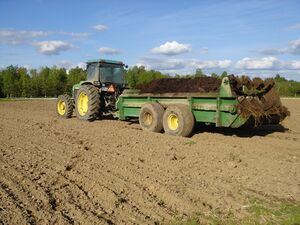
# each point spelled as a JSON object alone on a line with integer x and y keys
{"x": 104, "y": 73}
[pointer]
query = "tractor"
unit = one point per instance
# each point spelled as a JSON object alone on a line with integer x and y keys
{"x": 98, "y": 94}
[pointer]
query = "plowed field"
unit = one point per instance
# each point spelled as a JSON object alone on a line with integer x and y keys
{"x": 58, "y": 171}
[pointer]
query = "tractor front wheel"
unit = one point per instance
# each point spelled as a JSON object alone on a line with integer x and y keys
{"x": 64, "y": 106}
{"x": 87, "y": 102}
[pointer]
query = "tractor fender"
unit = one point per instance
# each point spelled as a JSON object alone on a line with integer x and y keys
{"x": 77, "y": 86}
{"x": 86, "y": 82}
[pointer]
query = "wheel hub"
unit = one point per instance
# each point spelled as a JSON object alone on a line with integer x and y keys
{"x": 83, "y": 103}
{"x": 147, "y": 119}
{"x": 61, "y": 107}
{"x": 173, "y": 121}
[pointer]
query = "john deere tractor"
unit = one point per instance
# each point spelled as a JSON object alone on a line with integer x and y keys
{"x": 98, "y": 94}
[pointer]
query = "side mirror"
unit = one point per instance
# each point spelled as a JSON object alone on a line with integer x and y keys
{"x": 126, "y": 66}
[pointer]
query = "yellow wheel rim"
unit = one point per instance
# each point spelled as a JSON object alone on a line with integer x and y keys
{"x": 82, "y": 103}
{"x": 61, "y": 107}
{"x": 147, "y": 119}
{"x": 173, "y": 121}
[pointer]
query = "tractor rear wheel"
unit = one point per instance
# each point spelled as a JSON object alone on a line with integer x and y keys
{"x": 64, "y": 106}
{"x": 87, "y": 102}
{"x": 178, "y": 120}
{"x": 150, "y": 117}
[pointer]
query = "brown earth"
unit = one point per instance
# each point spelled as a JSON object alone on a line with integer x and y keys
{"x": 57, "y": 171}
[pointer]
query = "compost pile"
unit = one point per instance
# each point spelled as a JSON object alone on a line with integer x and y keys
{"x": 258, "y": 99}
{"x": 180, "y": 85}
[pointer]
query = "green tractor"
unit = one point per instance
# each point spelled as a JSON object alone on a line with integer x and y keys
{"x": 98, "y": 94}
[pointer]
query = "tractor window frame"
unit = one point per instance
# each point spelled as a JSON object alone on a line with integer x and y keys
{"x": 117, "y": 79}
{"x": 95, "y": 72}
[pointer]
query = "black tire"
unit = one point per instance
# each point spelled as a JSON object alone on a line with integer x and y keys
{"x": 64, "y": 106}
{"x": 93, "y": 105}
{"x": 184, "y": 118}
{"x": 151, "y": 116}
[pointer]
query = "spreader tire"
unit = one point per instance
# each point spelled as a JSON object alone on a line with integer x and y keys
{"x": 150, "y": 117}
{"x": 178, "y": 120}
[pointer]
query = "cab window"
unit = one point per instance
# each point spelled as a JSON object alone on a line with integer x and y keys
{"x": 92, "y": 72}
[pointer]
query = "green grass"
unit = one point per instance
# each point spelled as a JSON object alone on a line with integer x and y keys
{"x": 234, "y": 157}
{"x": 284, "y": 213}
{"x": 190, "y": 143}
{"x": 4, "y": 99}
{"x": 22, "y": 99}
{"x": 258, "y": 212}
{"x": 11, "y": 99}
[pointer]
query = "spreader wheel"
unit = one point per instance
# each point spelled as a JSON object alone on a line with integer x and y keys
{"x": 150, "y": 117}
{"x": 178, "y": 120}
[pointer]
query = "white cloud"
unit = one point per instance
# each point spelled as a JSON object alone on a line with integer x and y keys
{"x": 210, "y": 64}
{"x": 172, "y": 48}
{"x": 273, "y": 51}
{"x": 64, "y": 64}
{"x": 294, "y": 27}
{"x": 100, "y": 27}
{"x": 266, "y": 63}
{"x": 173, "y": 64}
{"x": 295, "y": 65}
{"x": 109, "y": 51}
{"x": 69, "y": 65}
{"x": 73, "y": 34}
{"x": 81, "y": 65}
{"x": 204, "y": 51}
{"x": 162, "y": 64}
{"x": 15, "y": 37}
{"x": 293, "y": 48}
{"x": 52, "y": 47}
{"x": 254, "y": 64}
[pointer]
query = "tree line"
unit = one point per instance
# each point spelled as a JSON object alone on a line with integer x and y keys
{"x": 46, "y": 82}
{"x": 18, "y": 81}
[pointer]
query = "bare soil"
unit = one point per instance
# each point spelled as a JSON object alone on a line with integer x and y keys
{"x": 58, "y": 171}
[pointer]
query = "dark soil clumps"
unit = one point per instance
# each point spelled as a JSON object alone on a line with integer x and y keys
{"x": 244, "y": 86}
{"x": 180, "y": 85}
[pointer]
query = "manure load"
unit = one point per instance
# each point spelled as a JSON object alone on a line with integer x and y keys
{"x": 175, "y": 85}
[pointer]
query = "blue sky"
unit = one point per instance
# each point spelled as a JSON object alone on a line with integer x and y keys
{"x": 242, "y": 37}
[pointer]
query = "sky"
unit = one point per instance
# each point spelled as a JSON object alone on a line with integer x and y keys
{"x": 257, "y": 38}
